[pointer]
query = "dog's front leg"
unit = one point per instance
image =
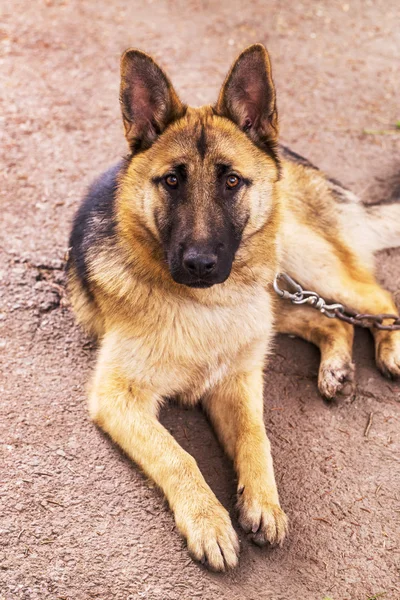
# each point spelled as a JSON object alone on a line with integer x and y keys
{"x": 129, "y": 415}
{"x": 236, "y": 411}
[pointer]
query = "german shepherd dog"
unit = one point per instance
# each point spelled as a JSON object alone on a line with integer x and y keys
{"x": 172, "y": 257}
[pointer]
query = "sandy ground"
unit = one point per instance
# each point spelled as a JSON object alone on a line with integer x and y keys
{"x": 78, "y": 520}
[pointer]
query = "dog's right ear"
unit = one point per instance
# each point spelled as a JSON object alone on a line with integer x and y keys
{"x": 149, "y": 103}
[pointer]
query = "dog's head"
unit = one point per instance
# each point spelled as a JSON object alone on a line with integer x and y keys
{"x": 200, "y": 180}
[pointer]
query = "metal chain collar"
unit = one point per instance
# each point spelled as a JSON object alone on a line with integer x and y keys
{"x": 335, "y": 310}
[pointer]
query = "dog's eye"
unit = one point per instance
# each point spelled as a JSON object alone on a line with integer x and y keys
{"x": 171, "y": 181}
{"x": 232, "y": 181}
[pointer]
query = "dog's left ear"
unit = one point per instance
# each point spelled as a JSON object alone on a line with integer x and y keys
{"x": 247, "y": 96}
{"x": 148, "y": 100}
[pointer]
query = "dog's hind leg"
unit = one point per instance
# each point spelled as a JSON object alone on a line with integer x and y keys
{"x": 235, "y": 408}
{"x": 128, "y": 414}
{"x": 334, "y": 339}
{"x": 365, "y": 295}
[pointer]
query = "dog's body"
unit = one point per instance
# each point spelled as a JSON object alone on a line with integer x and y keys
{"x": 172, "y": 257}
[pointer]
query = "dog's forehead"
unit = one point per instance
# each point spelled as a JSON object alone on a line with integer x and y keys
{"x": 201, "y": 137}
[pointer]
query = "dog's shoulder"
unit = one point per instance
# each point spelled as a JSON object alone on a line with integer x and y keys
{"x": 97, "y": 207}
{"x": 94, "y": 223}
{"x": 302, "y": 171}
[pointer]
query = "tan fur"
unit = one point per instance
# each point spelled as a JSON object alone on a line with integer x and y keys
{"x": 334, "y": 339}
{"x": 329, "y": 248}
{"x": 160, "y": 339}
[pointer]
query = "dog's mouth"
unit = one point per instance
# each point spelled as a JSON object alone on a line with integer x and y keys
{"x": 200, "y": 284}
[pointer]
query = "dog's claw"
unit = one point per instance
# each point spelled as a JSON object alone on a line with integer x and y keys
{"x": 211, "y": 539}
{"x": 264, "y": 521}
{"x": 388, "y": 355}
{"x": 336, "y": 377}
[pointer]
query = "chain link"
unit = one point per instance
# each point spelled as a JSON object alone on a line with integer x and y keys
{"x": 334, "y": 310}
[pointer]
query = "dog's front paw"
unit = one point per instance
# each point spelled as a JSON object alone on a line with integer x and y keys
{"x": 265, "y": 521}
{"x": 210, "y": 536}
{"x": 336, "y": 377}
{"x": 388, "y": 354}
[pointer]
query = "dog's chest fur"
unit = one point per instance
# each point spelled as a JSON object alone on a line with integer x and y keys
{"x": 177, "y": 347}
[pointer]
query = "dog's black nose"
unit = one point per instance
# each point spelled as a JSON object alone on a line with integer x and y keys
{"x": 199, "y": 264}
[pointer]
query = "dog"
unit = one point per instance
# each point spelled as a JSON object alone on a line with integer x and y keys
{"x": 172, "y": 257}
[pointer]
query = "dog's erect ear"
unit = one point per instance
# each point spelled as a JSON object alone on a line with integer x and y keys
{"x": 148, "y": 101}
{"x": 247, "y": 96}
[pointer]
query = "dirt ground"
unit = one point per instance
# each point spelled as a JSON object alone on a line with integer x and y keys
{"x": 78, "y": 520}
